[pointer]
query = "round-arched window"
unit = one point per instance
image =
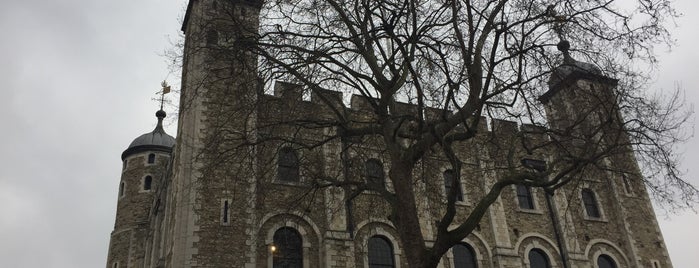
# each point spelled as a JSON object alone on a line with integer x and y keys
{"x": 538, "y": 259}
{"x": 288, "y": 249}
{"x": 464, "y": 257}
{"x": 604, "y": 261}
{"x": 380, "y": 253}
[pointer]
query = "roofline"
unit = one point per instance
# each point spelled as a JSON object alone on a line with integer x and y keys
{"x": 572, "y": 78}
{"x": 186, "y": 15}
{"x": 145, "y": 148}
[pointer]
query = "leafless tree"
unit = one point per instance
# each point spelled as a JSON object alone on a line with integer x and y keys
{"x": 456, "y": 62}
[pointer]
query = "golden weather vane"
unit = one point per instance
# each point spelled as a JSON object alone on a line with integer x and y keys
{"x": 166, "y": 89}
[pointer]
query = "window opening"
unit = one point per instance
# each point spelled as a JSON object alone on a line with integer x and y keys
{"x": 374, "y": 173}
{"x": 151, "y": 158}
{"x": 225, "y": 211}
{"x": 524, "y": 197}
{"x": 449, "y": 178}
{"x": 590, "y": 203}
{"x": 121, "y": 189}
{"x": 288, "y": 251}
{"x": 288, "y": 165}
{"x": 604, "y": 261}
{"x": 147, "y": 181}
{"x": 380, "y": 253}
{"x": 538, "y": 259}
{"x": 464, "y": 257}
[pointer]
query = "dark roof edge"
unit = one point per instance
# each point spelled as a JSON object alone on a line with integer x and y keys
{"x": 186, "y": 15}
{"x": 571, "y": 78}
{"x": 145, "y": 148}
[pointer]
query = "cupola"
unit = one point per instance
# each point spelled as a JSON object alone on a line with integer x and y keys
{"x": 156, "y": 140}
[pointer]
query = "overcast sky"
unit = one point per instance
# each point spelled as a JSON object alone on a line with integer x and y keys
{"x": 77, "y": 79}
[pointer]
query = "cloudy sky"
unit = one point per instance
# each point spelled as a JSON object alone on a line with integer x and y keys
{"x": 77, "y": 79}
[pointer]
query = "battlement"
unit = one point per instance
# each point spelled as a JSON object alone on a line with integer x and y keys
{"x": 288, "y": 98}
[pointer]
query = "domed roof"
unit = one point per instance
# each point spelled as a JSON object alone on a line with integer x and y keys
{"x": 156, "y": 140}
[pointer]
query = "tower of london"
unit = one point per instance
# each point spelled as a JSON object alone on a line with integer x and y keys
{"x": 238, "y": 187}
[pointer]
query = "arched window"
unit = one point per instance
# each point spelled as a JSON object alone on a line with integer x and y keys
{"x": 464, "y": 257}
{"x": 538, "y": 259}
{"x": 288, "y": 165}
{"x": 374, "y": 173}
{"x": 604, "y": 261}
{"x": 380, "y": 252}
{"x": 151, "y": 158}
{"x": 147, "y": 181}
{"x": 449, "y": 177}
{"x": 288, "y": 251}
{"x": 126, "y": 161}
{"x": 524, "y": 197}
{"x": 121, "y": 189}
{"x": 588, "y": 198}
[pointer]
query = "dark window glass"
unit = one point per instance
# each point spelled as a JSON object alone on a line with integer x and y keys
{"x": 147, "y": 181}
{"x": 225, "y": 211}
{"x": 538, "y": 259}
{"x": 464, "y": 257}
{"x": 288, "y": 162}
{"x": 121, "y": 189}
{"x": 524, "y": 197}
{"x": 590, "y": 203}
{"x": 125, "y": 163}
{"x": 151, "y": 158}
{"x": 211, "y": 37}
{"x": 604, "y": 261}
{"x": 374, "y": 173}
{"x": 449, "y": 177}
{"x": 289, "y": 251}
{"x": 380, "y": 252}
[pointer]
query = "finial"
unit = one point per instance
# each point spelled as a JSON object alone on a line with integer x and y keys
{"x": 160, "y": 114}
{"x": 564, "y": 46}
{"x": 558, "y": 27}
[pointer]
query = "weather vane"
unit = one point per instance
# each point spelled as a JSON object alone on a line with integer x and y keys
{"x": 166, "y": 89}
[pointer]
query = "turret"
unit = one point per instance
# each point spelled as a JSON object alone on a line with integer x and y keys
{"x": 145, "y": 162}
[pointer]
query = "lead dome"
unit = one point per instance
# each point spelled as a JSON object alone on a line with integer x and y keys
{"x": 156, "y": 140}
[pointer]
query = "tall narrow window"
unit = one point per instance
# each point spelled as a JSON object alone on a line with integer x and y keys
{"x": 464, "y": 257}
{"x": 121, "y": 189}
{"x": 126, "y": 161}
{"x": 380, "y": 253}
{"x": 147, "y": 181}
{"x": 604, "y": 261}
{"x": 449, "y": 180}
{"x": 288, "y": 165}
{"x": 524, "y": 197}
{"x": 225, "y": 211}
{"x": 374, "y": 173}
{"x": 588, "y": 198}
{"x": 538, "y": 259}
{"x": 115, "y": 264}
{"x": 151, "y": 158}
{"x": 288, "y": 251}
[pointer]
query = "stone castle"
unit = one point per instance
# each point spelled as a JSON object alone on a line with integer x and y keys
{"x": 217, "y": 196}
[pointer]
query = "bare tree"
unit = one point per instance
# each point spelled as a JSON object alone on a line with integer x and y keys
{"x": 455, "y": 63}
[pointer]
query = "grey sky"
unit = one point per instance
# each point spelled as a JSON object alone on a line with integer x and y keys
{"x": 77, "y": 79}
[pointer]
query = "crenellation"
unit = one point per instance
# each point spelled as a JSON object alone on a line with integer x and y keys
{"x": 230, "y": 142}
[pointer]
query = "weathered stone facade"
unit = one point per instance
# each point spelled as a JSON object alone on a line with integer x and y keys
{"x": 216, "y": 202}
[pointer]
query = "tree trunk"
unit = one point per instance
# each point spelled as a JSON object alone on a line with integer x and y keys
{"x": 405, "y": 216}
